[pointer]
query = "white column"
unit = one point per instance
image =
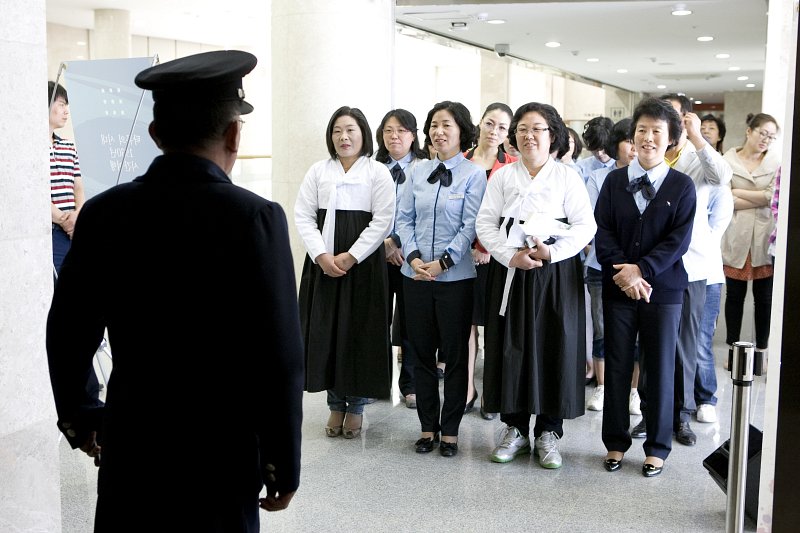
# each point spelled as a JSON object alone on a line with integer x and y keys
{"x": 325, "y": 54}
{"x": 29, "y": 462}
{"x": 779, "y": 83}
{"x": 111, "y": 37}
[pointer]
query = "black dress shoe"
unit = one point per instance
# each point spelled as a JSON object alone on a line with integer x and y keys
{"x": 685, "y": 435}
{"x": 471, "y": 404}
{"x": 639, "y": 431}
{"x": 612, "y": 465}
{"x": 448, "y": 449}
{"x": 426, "y": 445}
{"x": 487, "y": 416}
{"x": 649, "y": 470}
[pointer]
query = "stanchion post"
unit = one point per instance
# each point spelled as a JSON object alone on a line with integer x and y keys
{"x": 742, "y": 366}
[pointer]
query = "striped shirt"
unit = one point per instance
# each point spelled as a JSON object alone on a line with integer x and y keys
{"x": 64, "y": 168}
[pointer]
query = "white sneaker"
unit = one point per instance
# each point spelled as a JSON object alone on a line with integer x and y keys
{"x": 595, "y": 403}
{"x": 545, "y": 448}
{"x": 706, "y": 413}
{"x": 634, "y": 402}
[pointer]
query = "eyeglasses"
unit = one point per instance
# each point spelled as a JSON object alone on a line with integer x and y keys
{"x": 399, "y": 131}
{"x": 523, "y": 131}
{"x": 765, "y": 135}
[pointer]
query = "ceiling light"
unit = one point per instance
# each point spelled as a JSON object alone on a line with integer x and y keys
{"x": 661, "y": 86}
{"x": 705, "y": 38}
{"x": 496, "y": 21}
{"x": 742, "y": 78}
{"x": 622, "y": 71}
{"x": 722, "y": 56}
{"x": 698, "y": 101}
{"x": 458, "y": 26}
{"x": 681, "y": 12}
{"x": 552, "y": 44}
{"x": 81, "y": 43}
{"x": 750, "y": 85}
{"x": 733, "y": 69}
{"x": 592, "y": 59}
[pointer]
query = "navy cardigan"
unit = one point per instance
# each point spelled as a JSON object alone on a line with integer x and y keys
{"x": 655, "y": 240}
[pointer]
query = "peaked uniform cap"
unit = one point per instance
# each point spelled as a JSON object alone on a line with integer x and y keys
{"x": 199, "y": 78}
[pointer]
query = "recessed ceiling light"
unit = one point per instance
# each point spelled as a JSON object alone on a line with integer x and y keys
{"x": 81, "y": 43}
{"x": 592, "y": 59}
{"x": 661, "y": 86}
{"x": 722, "y": 56}
{"x": 698, "y": 101}
{"x": 681, "y": 11}
{"x": 496, "y": 21}
{"x": 622, "y": 71}
{"x": 734, "y": 69}
{"x": 750, "y": 85}
{"x": 742, "y": 78}
{"x": 458, "y": 26}
{"x": 552, "y": 44}
{"x": 705, "y": 38}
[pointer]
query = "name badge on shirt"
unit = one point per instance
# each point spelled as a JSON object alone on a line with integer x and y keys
{"x": 456, "y": 196}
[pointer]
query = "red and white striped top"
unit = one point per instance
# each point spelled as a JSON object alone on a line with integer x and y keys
{"x": 64, "y": 168}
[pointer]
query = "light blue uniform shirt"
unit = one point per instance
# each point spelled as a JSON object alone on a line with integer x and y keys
{"x": 435, "y": 219}
{"x": 587, "y": 165}
{"x": 656, "y": 175}
{"x": 407, "y": 167}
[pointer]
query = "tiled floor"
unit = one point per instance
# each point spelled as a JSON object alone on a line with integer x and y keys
{"x": 377, "y": 483}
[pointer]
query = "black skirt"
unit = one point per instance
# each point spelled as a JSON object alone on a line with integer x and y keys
{"x": 479, "y": 295}
{"x": 535, "y": 355}
{"x": 344, "y": 320}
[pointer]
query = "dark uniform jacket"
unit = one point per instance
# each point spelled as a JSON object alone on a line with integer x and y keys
{"x": 194, "y": 280}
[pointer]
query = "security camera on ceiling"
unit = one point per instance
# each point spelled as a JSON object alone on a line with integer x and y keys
{"x": 502, "y": 50}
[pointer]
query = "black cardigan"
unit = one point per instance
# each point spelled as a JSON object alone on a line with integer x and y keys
{"x": 655, "y": 240}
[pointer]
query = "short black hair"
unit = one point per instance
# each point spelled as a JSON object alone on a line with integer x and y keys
{"x": 363, "y": 125}
{"x": 409, "y": 122}
{"x": 620, "y": 132}
{"x": 755, "y": 121}
{"x": 463, "y": 121}
{"x": 686, "y": 104}
{"x": 658, "y": 109}
{"x": 558, "y": 130}
{"x": 491, "y": 107}
{"x": 596, "y": 132}
{"x": 180, "y": 127}
{"x": 576, "y": 139}
{"x": 60, "y": 91}
{"x": 720, "y": 126}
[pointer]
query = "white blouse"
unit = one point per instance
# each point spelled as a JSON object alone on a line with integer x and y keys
{"x": 367, "y": 186}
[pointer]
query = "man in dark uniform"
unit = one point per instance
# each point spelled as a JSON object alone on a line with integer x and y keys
{"x": 194, "y": 279}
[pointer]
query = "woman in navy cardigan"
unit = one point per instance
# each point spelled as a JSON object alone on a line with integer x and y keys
{"x": 644, "y": 224}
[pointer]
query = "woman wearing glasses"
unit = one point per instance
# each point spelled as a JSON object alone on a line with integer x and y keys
{"x": 644, "y": 218}
{"x": 399, "y": 150}
{"x": 535, "y": 318}
{"x": 744, "y": 246}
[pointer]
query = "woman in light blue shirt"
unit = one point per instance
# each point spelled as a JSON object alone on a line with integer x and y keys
{"x": 436, "y": 225}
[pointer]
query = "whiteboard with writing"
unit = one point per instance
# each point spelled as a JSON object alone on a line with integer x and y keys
{"x": 110, "y": 135}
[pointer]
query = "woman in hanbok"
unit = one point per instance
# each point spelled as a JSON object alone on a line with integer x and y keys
{"x": 534, "y": 341}
{"x": 343, "y": 290}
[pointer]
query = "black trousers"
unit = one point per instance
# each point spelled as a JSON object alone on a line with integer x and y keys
{"x": 657, "y": 328}
{"x": 399, "y": 332}
{"x": 438, "y": 316}
{"x": 735, "y": 294}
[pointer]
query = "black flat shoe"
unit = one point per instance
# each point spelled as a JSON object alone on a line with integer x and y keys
{"x": 471, "y": 404}
{"x": 639, "y": 431}
{"x": 649, "y": 470}
{"x": 487, "y": 416}
{"x": 612, "y": 465}
{"x": 426, "y": 445}
{"x": 448, "y": 449}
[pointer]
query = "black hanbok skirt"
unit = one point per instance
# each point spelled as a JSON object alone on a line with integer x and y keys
{"x": 344, "y": 320}
{"x": 535, "y": 355}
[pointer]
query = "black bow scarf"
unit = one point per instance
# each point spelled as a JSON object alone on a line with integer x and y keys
{"x": 642, "y": 183}
{"x": 398, "y": 175}
{"x": 442, "y": 174}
